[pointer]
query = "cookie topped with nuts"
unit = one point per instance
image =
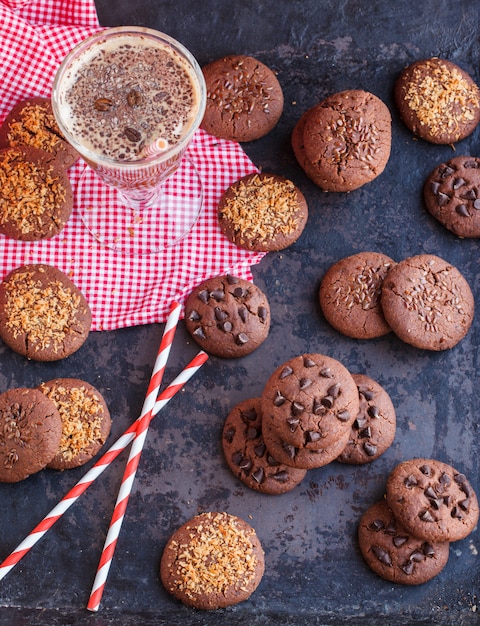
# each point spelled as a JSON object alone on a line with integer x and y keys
{"x": 32, "y": 123}
{"x": 263, "y": 212}
{"x": 438, "y": 100}
{"x": 427, "y": 302}
{"x": 227, "y": 316}
{"x": 85, "y": 421}
{"x": 43, "y": 314}
{"x": 30, "y": 433}
{"x": 212, "y": 561}
{"x": 244, "y": 98}
{"x": 36, "y": 196}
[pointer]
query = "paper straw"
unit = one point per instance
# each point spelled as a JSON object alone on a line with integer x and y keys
{"x": 156, "y": 147}
{"x": 96, "y": 470}
{"x": 125, "y": 489}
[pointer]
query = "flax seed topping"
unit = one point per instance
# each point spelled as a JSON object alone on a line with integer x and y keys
{"x": 212, "y": 561}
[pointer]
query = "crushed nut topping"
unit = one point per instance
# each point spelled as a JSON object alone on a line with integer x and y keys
{"x": 37, "y": 127}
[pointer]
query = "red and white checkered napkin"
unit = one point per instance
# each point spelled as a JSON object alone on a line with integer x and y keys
{"x": 122, "y": 290}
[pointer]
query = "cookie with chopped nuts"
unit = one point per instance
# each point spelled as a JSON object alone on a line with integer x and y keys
{"x": 85, "y": 418}
{"x": 30, "y": 433}
{"x": 432, "y": 499}
{"x": 427, "y": 302}
{"x": 244, "y": 98}
{"x": 43, "y": 314}
{"x": 228, "y": 316}
{"x": 36, "y": 196}
{"x": 212, "y": 561}
{"x": 310, "y": 402}
{"x": 437, "y": 100}
{"x": 263, "y": 212}
{"x": 395, "y": 554}
{"x": 32, "y": 123}
{"x": 373, "y": 430}
{"x": 247, "y": 455}
{"x": 452, "y": 195}
{"x": 347, "y": 140}
{"x": 350, "y": 293}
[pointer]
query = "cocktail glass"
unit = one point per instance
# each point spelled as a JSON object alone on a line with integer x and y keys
{"x": 150, "y": 198}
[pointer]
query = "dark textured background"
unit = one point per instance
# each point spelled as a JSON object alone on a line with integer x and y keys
{"x": 314, "y": 572}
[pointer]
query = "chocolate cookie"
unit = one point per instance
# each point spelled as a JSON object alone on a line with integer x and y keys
{"x": 30, "y": 432}
{"x": 248, "y": 457}
{"x": 36, "y": 196}
{"x": 298, "y": 147}
{"x": 244, "y": 98}
{"x": 452, "y": 195}
{"x": 432, "y": 500}
{"x": 228, "y": 316}
{"x": 213, "y": 561}
{"x": 263, "y": 212}
{"x": 309, "y": 402}
{"x": 437, "y": 100}
{"x": 85, "y": 421}
{"x": 350, "y": 295}
{"x": 32, "y": 123}
{"x": 43, "y": 315}
{"x": 427, "y": 302}
{"x": 347, "y": 140}
{"x": 373, "y": 430}
{"x": 393, "y": 553}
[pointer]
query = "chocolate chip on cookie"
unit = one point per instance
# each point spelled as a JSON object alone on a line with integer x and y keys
{"x": 228, "y": 316}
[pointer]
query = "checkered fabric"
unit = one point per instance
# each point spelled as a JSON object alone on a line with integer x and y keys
{"x": 122, "y": 290}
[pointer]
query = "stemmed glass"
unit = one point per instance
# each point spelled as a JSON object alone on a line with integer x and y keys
{"x": 129, "y": 99}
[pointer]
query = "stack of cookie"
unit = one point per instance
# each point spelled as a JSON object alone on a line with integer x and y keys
{"x": 428, "y": 505}
{"x": 36, "y": 197}
{"x": 312, "y": 411}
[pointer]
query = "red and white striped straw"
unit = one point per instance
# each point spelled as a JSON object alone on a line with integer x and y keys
{"x": 125, "y": 490}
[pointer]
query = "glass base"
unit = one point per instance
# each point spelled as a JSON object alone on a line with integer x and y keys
{"x": 146, "y": 230}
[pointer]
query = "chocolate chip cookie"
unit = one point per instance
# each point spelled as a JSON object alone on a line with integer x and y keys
{"x": 247, "y": 455}
{"x": 347, "y": 139}
{"x": 43, "y": 314}
{"x": 244, "y": 98}
{"x": 437, "y": 100}
{"x": 433, "y": 500}
{"x": 393, "y": 553}
{"x": 30, "y": 433}
{"x": 350, "y": 293}
{"x": 452, "y": 195}
{"x": 309, "y": 402}
{"x": 427, "y": 302}
{"x": 228, "y": 316}
{"x": 373, "y": 430}
{"x": 212, "y": 561}
{"x": 85, "y": 420}
{"x": 263, "y": 212}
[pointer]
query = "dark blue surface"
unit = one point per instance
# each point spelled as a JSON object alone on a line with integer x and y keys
{"x": 314, "y": 572}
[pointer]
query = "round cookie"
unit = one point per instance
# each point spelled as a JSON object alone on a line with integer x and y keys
{"x": 36, "y": 196}
{"x": 32, "y": 123}
{"x": 43, "y": 315}
{"x": 298, "y": 147}
{"x": 432, "y": 500}
{"x": 309, "y": 402}
{"x": 347, "y": 139}
{"x": 373, "y": 430}
{"x": 244, "y": 98}
{"x": 437, "y": 100}
{"x": 263, "y": 212}
{"x": 393, "y": 553}
{"x": 350, "y": 295}
{"x": 213, "y": 561}
{"x": 228, "y": 316}
{"x": 85, "y": 418}
{"x": 427, "y": 302}
{"x": 30, "y": 432}
{"x": 248, "y": 457}
{"x": 452, "y": 195}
